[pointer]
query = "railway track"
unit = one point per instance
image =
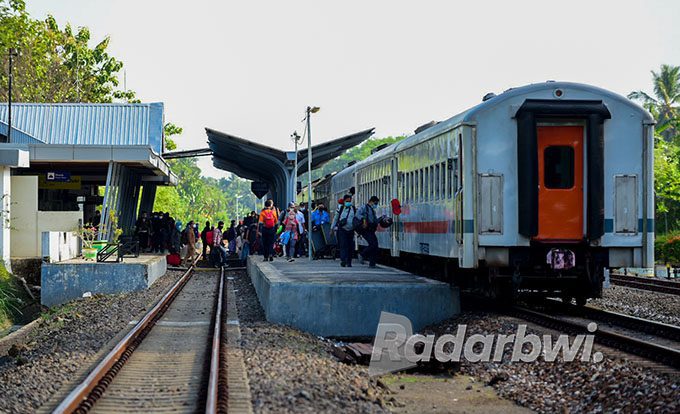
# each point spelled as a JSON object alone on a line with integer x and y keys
{"x": 652, "y": 284}
{"x": 172, "y": 360}
{"x": 648, "y": 339}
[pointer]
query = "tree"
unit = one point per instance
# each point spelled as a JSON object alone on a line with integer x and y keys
{"x": 56, "y": 65}
{"x": 666, "y": 106}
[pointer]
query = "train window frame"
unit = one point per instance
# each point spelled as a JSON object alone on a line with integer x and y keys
{"x": 426, "y": 187}
{"x": 551, "y": 179}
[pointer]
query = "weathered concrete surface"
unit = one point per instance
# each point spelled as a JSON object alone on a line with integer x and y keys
{"x": 68, "y": 280}
{"x": 325, "y": 299}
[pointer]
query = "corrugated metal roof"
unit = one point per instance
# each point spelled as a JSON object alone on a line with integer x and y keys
{"x": 90, "y": 124}
{"x": 18, "y": 136}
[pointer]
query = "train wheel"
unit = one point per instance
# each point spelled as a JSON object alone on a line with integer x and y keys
{"x": 581, "y": 300}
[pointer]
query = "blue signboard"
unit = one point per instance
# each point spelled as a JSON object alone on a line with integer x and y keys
{"x": 59, "y": 176}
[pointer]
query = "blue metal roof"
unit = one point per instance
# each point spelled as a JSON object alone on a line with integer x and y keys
{"x": 89, "y": 124}
{"x": 18, "y": 136}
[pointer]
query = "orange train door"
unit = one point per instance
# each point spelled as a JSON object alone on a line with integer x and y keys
{"x": 560, "y": 183}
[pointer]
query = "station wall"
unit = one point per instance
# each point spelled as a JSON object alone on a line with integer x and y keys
{"x": 28, "y": 223}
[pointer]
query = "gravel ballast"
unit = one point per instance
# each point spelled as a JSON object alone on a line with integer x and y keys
{"x": 291, "y": 371}
{"x": 65, "y": 342}
{"x": 656, "y": 306}
{"x": 612, "y": 385}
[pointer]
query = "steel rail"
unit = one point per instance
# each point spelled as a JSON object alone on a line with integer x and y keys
{"x": 213, "y": 389}
{"x": 660, "y": 329}
{"x": 626, "y": 343}
{"x": 82, "y": 398}
{"x": 654, "y": 285}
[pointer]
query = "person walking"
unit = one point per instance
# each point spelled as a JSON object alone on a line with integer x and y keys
{"x": 191, "y": 243}
{"x": 268, "y": 221}
{"x": 220, "y": 251}
{"x": 204, "y": 238}
{"x": 230, "y": 235}
{"x": 367, "y": 229}
{"x": 301, "y": 218}
{"x": 320, "y": 216}
{"x": 291, "y": 226}
{"x": 343, "y": 224}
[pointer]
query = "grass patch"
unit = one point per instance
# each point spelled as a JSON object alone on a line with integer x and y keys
{"x": 11, "y": 299}
{"x": 411, "y": 379}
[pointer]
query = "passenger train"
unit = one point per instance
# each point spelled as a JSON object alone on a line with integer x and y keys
{"x": 538, "y": 189}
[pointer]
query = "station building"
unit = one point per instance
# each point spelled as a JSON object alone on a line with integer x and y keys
{"x": 61, "y": 161}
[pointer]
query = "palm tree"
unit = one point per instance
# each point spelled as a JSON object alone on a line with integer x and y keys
{"x": 666, "y": 107}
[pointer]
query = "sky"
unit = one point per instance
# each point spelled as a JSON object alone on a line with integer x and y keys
{"x": 250, "y": 68}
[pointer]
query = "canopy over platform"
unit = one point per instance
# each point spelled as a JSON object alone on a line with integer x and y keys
{"x": 258, "y": 162}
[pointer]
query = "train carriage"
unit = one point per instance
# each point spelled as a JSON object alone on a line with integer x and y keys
{"x": 539, "y": 188}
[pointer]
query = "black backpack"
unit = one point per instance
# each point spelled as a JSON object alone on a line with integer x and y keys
{"x": 184, "y": 237}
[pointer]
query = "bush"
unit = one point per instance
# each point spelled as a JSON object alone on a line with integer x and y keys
{"x": 8, "y": 298}
{"x": 667, "y": 248}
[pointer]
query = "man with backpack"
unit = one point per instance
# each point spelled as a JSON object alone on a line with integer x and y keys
{"x": 268, "y": 222}
{"x": 367, "y": 229}
{"x": 344, "y": 224}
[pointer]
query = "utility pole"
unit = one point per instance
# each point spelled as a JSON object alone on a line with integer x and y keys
{"x": 13, "y": 52}
{"x": 310, "y": 110}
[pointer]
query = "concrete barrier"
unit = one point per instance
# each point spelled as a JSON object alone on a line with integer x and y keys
{"x": 68, "y": 280}
{"x": 324, "y": 299}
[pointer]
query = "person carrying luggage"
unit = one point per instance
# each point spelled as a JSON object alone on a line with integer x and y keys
{"x": 343, "y": 224}
{"x": 367, "y": 229}
{"x": 268, "y": 222}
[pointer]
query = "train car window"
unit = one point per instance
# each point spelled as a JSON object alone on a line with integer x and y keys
{"x": 558, "y": 162}
{"x": 426, "y": 185}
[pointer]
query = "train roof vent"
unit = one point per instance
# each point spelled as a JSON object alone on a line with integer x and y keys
{"x": 349, "y": 164}
{"x": 488, "y": 96}
{"x": 379, "y": 147}
{"x": 424, "y": 127}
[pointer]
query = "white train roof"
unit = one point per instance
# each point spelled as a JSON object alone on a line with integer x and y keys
{"x": 470, "y": 116}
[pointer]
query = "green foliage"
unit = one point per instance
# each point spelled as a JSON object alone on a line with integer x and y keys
{"x": 664, "y": 105}
{"x": 201, "y": 198}
{"x": 169, "y": 130}
{"x": 357, "y": 153}
{"x": 9, "y": 300}
{"x": 667, "y": 248}
{"x": 55, "y": 64}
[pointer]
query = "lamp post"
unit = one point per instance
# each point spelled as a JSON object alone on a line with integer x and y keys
{"x": 297, "y": 139}
{"x": 310, "y": 110}
{"x": 13, "y": 52}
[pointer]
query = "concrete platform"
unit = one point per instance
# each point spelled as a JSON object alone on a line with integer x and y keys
{"x": 325, "y": 299}
{"x": 68, "y": 280}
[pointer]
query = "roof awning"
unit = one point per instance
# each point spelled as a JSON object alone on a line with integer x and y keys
{"x": 258, "y": 162}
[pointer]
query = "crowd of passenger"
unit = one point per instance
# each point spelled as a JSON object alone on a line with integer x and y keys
{"x": 271, "y": 233}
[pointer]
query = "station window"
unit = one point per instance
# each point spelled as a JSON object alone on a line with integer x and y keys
{"x": 558, "y": 166}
